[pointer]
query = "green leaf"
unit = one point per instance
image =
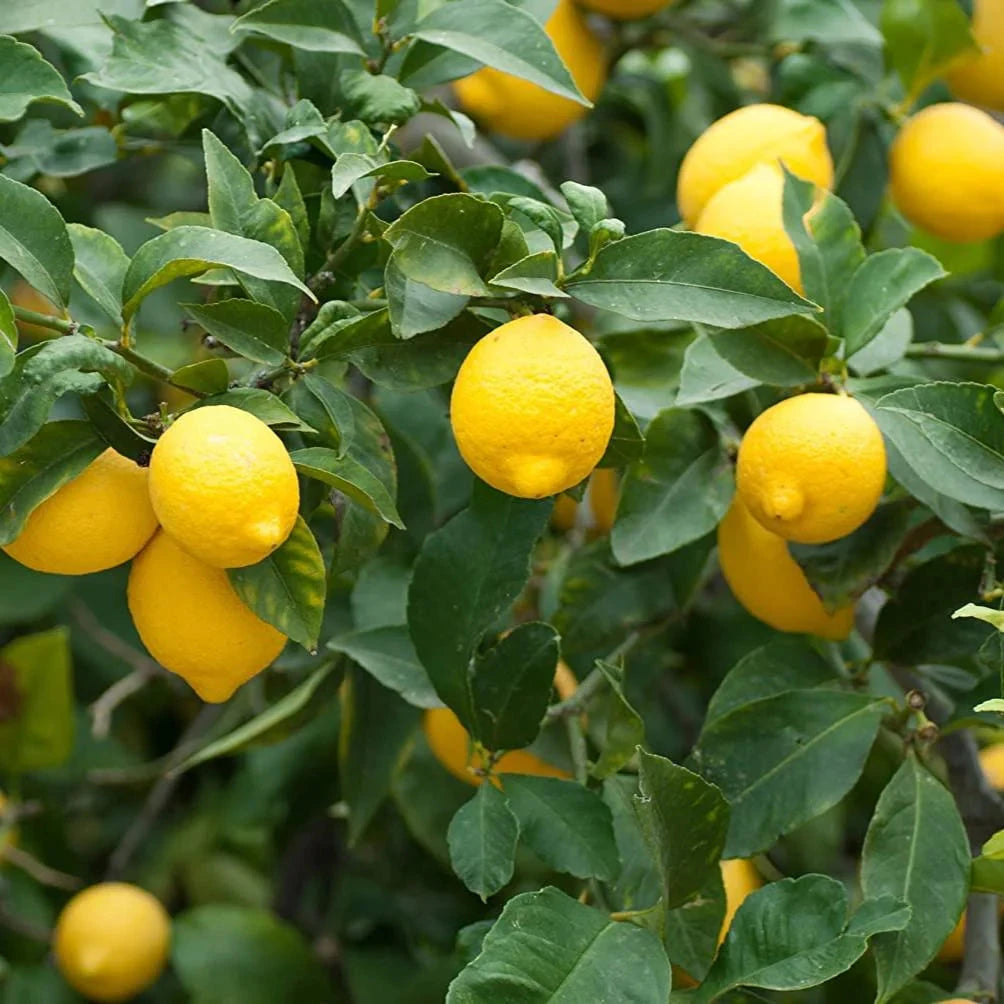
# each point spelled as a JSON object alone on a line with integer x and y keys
{"x": 542, "y": 215}
{"x": 220, "y": 952}
{"x": 625, "y": 730}
{"x": 534, "y": 274}
{"x": 381, "y": 100}
{"x": 916, "y": 850}
{"x": 502, "y": 36}
{"x": 990, "y": 616}
{"x": 691, "y": 931}
{"x": 482, "y": 838}
{"x": 186, "y": 251}
{"x": 39, "y": 148}
{"x": 677, "y": 492}
{"x": 786, "y": 759}
{"x": 883, "y": 284}
{"x": 706, "y": 376}
{"x": 353, "y": 167}
{"x": 922, "y": 37}
{"x": 328, "y": 409}
{"x": 546, "y": 948}
{"x": 387, "y": 653}
{"x": 587, "y": 205}
{"x": 8, "y": 335}
{"x": 37, "y": 675}
{"x": 377, "y": 727}
{"x": 335, "y": 334}
{"x": 350, "y": 477}
{"x": 665, "y": 275}
{"x": 27, "y": 78}
{"x": 34, "y": 241}
{"x": 566, "y": 825}
{"x": 627, "y": 444}
{"x": 29, "y": 475}
{"x": 685, "y": 820}
{"x": 829, "y": 21}
{"x": 466, "y": 577}
{"x": 262, "y": 404}
{"x": 114, "y": 429}
{"x": 99, "y": 266}
{"x": 304, "y": 24}
{"x": 288, "y": 588}
{"x": 784, "y": 352}
{"x": 952, "y": 437}
{"x": 207, "y": 376}
{"x": 414, "y": 307}
{"x": 511, "y": 686}
{"x": 795, "y": 934}
{"x": 253, "y": 330}
{"x": 887, "y": 348}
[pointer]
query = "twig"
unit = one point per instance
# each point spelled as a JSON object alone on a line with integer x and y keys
{"x": 148, "y": 366}
{"x": 577, "y": 742}
{"x": 981, "y": 963}
{"x": 65, "y": 327}
{"x": 959, "y": 353}
{"x": 20, "y": 925}
{"x": 38, "y": 871}
{"x": 104, "y": 707}
{"x": 584, "y": 693}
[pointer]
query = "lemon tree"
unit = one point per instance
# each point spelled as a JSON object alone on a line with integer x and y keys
{"x": 501, "y": 501}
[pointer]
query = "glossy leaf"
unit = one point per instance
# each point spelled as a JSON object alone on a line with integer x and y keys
{"x": 625, "y": 729}
{"x": 784, "y": 352}
{"x": 327, "y": 27}
{"x": 28, "y": 78}
{"x": 8, "y": 335}
{"x": 253, "y": 330}
{"x": 707, "y": 376}
{"x": 262, "y": 404}
{"x": 99, "y": 266}
{"x": 350, "y": 477}
{"x": 482, "y": 839}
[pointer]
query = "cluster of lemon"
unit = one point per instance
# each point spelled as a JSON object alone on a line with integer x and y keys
{"x": 221, "y": 492}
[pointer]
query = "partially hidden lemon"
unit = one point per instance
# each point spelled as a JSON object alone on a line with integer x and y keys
{"x": 812, "y": 468}
{"x": 601, "y": 493}
{"x": 625, "y": 10}
{"x": 193, "y": 622}
{"x": 749, "y": 212}
{"x": 532, "y": 407}
{"x": 755, "y": 134}
{"x": 980, "y": 78}
{"x": 522, "y": 110}
{"x": 223, "y": 486}
{"x": 111, "y": 941}
{"x": 767, "y": 581}
{"x": 98, "y": 520}
{"x": 946, "y": 172}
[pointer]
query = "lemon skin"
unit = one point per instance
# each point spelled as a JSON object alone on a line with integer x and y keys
{"x": 626, "y": 10}
{"x": 98, "y": 520}
{"x": 532, "y": 407}
{"x": 111, "y": 941}
{"x": 223, "y": 486}
{"x": 521, "y": 110}
{"x": 946, "y": 172}
{"x": 755, "y": 134}
{"x": 193, "y": 622}
{"x": 979, "y": 79}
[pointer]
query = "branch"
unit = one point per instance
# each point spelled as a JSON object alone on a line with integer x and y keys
{"x": 40, "y": 872}
{"x": 149, "y": 367}
{"x": 104, "y": 707}
{"x": 958, "y": 353}
{"x": 46, "y": 321}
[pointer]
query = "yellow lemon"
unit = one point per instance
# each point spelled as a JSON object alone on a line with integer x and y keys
{"x": 111, "y": 941}
{"x": 812, "y": 468}
{"x": 767, "y": 581}
{"x": 756, "y": 134}
{"x": 625, "y": 10}
{"x": 223, "y": 486}
{"x": 980, "y": 78}
{"x": 749, "y": 213}
{"x": 193, "y": 622}
{"x": 522, "y": 110}
{"x": 946, "y": 172}
{"x": 96, "y": 521}
{"x": 741, "y": 880}
{"x": 601, "y": 493}
{"x": 532, "y": 407}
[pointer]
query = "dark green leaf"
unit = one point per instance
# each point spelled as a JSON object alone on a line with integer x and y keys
{"x": 706, "y": 376}
{"x": 534, "y": 274}
{"x": 887, "y": 347}
{"x": 627, "y": 444}
{"x": 8, "y": 335}
{"x": 253, "y": 330}
{"x": 625, "y": 730}
{"x": 784, "y": 352}
{"x": 39, "y": 148}
{"x": 304, "y": 24}
{"x": 379, "y": 99}
{"x": 415, "y": 308}
{"x": 327, "y": 408}
{"x": 353, "y": 167}
{"x": 350, "y": 477}
{"x": 207, "y": 376}
{"x": 27, "y": 78}
{"x": 692, "y": 930}
{"x": 262, "y": 404}
{"x": 114, "y": 429}
{"x": 482, "y": 838}
{"x": 99, "y": 266}
{"x": 587, "y": 204}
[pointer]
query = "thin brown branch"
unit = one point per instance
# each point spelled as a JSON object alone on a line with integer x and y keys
{"x": 38, "y": 871}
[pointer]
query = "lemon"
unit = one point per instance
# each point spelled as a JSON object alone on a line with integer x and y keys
{"x": 223, "y": 486}
{"x": 193, "y": 622}
{"x": 812, "y": 468}
{"x": 601, "y": 494}
{"x": 625, "y": 10}
{"x": 767, "y": 581}
{"x": 756, "y": 134}
{"x": 111, "y": 941}
{"x": 532, "y": 407}
{"x": 946, "y": 172}
{"x": 741, "y": 880}
{"x": 522, "y": 110}
{"x": 96, "y": 521}
{"x": 980, "y": 78}
{"x": 749, "y": 212}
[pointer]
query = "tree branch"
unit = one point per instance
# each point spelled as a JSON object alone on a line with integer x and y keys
{"x": 59, "y": 324}
{"x": 957, "y": 353}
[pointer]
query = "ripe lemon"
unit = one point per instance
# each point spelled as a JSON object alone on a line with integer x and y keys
{"x": 767, "y": 581}
{"x": 111, "y": 941}
{"x": 193, "y": 622}
{"x": 980, "y": 79}
{"x": 521, "y": 110}
{"x": 749, "y": 213}
{"x": 741, "y": 880}
{"x": 946, "y": 172}
{"x": 625, "y": 10}
{"x": 756, "y": 134}
{"x": 223, "y": 486}
{"x": 532, "y": 407}
{"x": 96, "y": 521}
{"x": 450, "y": 742}
{"x": 812, "y": 468}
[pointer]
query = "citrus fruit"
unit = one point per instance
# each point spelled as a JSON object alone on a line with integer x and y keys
{"x": 767, "y": 581}
{"x": 756, "y": 134}
{"x": 741, "y": 879}
{"x": 812, "y": 468}
{"x": 749, "y": 213}
{"x": 193, "y": 622}
{"x": 625, "y": 10}
{"x": 522, "y": 110}
{"x": 223, "y": 486}
{"x": 946, "y": 172}
{"x": 601, "y": 494}
{"x": 111, "y": 941}
{"x": 96, "y": 521}
{"x": 979, "y": 79}
{"x": 532, "y": 407}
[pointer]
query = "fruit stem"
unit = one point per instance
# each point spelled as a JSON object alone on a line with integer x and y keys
{"x": 961, "y": 353}
{"x": 148, "y": 366}
{"x": 66, "y": 327}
